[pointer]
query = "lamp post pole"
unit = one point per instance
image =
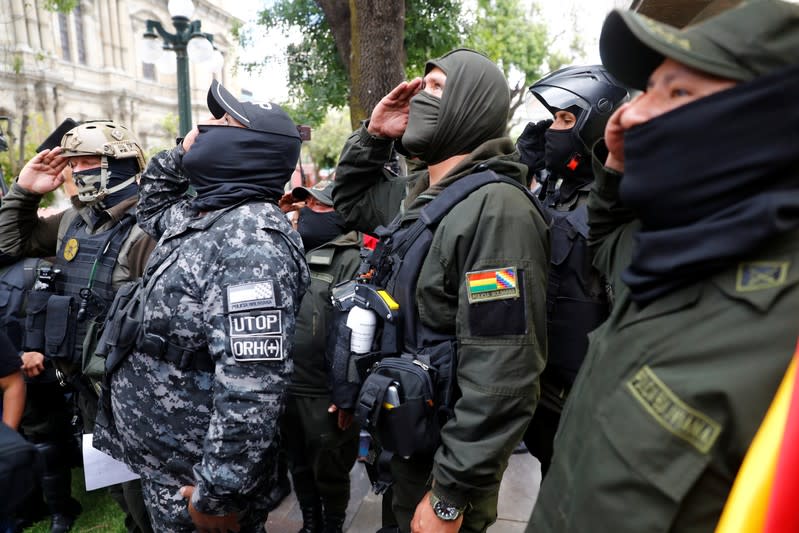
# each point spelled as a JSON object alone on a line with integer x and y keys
{"x": 178, "y": 42}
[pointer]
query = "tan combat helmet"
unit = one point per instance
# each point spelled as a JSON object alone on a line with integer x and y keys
{"x": 105, "y": 139}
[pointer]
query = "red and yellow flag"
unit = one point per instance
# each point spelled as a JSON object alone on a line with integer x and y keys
{"x": 766, "y": 490}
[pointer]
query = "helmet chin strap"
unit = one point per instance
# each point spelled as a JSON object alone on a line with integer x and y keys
{"x": 119, "y": 186}
{"x": 104, "y": 191}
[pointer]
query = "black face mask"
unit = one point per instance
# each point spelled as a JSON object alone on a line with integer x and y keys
{"x": 710, "y": 183}
{"x": 228, "y": 165}
{"x": 119, "y": 170}
{"x": 564, "y": 154}
{"x": 317, "y": 229}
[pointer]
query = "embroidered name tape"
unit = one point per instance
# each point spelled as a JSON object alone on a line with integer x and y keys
{"x": 251, "y": 296}
{"x": 488, "y": 285}
{"x": 679, "y": 418}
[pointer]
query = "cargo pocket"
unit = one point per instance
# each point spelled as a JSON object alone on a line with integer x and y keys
{"x": 658, "y": 449}
{"x": 91, "y": 364}
{"x": 35, "y": 320}
{"x": 404, "y": 424}
{"x": 59, "y": 329}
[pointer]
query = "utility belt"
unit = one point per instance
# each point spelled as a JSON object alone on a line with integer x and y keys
{"x": 123, "y": 334}
{"x": 401, "y": 397}
{"x": 182, "y": 358}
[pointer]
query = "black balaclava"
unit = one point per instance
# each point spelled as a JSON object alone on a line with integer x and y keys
{"x": 227, "y": 165}
{"x": 711, "y": 194}
{"x": 316, "y": 229}
{"x": 472, "y": 109}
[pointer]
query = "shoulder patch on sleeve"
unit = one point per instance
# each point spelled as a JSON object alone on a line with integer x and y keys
{"x": 489, "y": 285}
{"x": 255, "y": 295}
{"x": 250, "y": 349}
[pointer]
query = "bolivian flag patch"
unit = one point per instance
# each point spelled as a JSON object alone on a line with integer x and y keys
{"x": 488, "y": 285}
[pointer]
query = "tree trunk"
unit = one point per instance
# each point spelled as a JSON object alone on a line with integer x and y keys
{"x": 377, "y": 62}
{"x": 337, "y": 14}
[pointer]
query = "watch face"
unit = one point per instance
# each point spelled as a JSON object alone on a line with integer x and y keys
{"x": 444, "y": 511}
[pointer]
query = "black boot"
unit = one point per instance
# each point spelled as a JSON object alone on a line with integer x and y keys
{"x": 311, "y": 519}
{"x": 282, "y": 488}
{"x": 57, "y": 486}
{"x": 333, "y": 523}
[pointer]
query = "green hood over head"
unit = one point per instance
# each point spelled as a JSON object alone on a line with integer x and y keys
{"x": 473, "y": 108}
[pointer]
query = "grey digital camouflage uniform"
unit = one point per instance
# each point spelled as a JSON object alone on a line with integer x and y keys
{"x": 229, "y": 282}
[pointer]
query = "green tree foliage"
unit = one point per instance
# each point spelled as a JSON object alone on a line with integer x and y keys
{"x": 22, "y": 147}
{"x": 328, "y": 138}
{"x": 518, "y": 41}
{"x": 320, "y": 74}
{"x": 64, "y": 6}
{"x": 319, "y": 77}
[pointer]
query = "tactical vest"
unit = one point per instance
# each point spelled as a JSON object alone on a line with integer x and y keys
{"x": 83, "y": 292}
{"x": 577, "y": 302}
{"x": 427, "y": 357}
{"x": 403, "y": 247}
{"x": 15, "y": 281}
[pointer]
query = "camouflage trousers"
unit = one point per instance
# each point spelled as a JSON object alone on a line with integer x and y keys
{"x": 169, "y": 511}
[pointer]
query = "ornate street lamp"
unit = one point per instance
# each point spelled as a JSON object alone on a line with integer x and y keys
{"x": 188, "y": 41}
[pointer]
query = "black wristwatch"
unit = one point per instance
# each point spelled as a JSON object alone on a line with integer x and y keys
{"x": 444, "y": 510}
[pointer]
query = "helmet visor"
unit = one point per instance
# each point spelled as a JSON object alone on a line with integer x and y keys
{"x": 555, "y": 98}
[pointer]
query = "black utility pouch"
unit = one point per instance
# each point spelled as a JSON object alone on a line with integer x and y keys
{"x": 409, "y": 426}
{"x": 35, "y": 320}
{"x": 122, "y": 325}
{"x": 345, "y": 369}
{"x": 60, "y": 328}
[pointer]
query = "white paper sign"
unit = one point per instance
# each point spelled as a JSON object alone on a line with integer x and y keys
{"x": 100, "y": 469}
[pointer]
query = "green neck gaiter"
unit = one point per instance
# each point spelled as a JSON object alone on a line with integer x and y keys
{"x": 472, "y": 110}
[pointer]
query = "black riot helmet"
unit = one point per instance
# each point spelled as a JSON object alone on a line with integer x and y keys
{"x": 590, "y": 93}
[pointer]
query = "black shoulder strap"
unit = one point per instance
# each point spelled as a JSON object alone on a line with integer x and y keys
{"x": 433, "y": 212}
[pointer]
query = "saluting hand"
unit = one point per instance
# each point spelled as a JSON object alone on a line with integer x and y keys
{"x": 390, "y": 116}
{"x": 43, "y": 173}
{"x": 614, "y": 136}
{"x": 208, "y": 523}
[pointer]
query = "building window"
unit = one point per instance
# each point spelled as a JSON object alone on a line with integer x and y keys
{"x": 78, "y": 14}
{"x": 148, "y": 71}
{"x": 66, "y": 50}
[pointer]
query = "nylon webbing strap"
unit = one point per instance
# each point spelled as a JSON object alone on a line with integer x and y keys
{"x": 370, "y": 400}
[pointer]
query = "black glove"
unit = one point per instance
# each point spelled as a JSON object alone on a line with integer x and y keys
{"x": 531, "y": 145}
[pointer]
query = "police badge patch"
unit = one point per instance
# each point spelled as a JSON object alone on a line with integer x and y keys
{"x": 257, "y": 295}
{"x": 71, "y": 249}
{"x": 256, "y": 336}
{"x": 761, "y": 275}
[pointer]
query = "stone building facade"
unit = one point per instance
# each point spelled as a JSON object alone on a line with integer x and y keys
{"x": 86, "y": 65}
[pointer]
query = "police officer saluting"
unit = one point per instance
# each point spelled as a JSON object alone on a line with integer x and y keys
{"x": 196, "y": 402}
{"x": 97, "y": 246}
{"x": 581, "y": 100}
{"x": 464, "y": 267}
{"x": 695, "y": 220}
